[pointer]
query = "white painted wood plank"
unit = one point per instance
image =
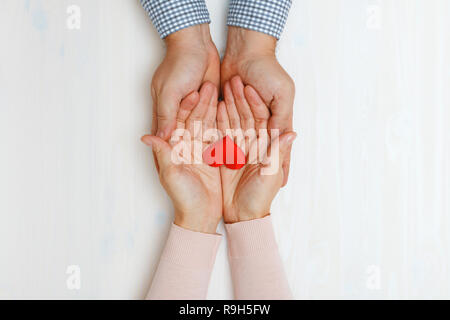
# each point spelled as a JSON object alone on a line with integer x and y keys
{"x": 369, "y": 191}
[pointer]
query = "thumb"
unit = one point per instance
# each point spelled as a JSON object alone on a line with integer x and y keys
{"x": 161, "y": 149}
{"x": 281, "y": 108}
{"x": 166, "y": 115}
{"x": 285, "y": 142}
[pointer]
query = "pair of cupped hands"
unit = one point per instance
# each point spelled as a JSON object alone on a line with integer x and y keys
{"x": 202, "y": 194}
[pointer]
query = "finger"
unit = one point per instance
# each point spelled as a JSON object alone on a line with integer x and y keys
{"x": 198, "y": 113}
{"x": 233, "y": 115}
{"x": 279, "y": 150}
{"x": 286, "y": 140}
{"x": 210, "y": 133}
{"x": 261, "y": 112}
{"x": 161, "y": 150}
{"x": 281, "y": 119}
{"x": 281, "y": 109}
{"x": 223, "y": 124}
{"x": 281, "y": 145}
{"x": 154, "y": 127}
{"x": 257, "y": 147}
{"x": 166, "y": 113}
{"x": 243, "y": 108}
{"x": 154, "y": 117}
{"x": 235, "y": 131}
{"x": 186, "y": 106}
{"x": 286, "y": 165}
{"x": 209, "y": 122}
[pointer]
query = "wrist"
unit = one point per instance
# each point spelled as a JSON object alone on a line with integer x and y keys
{"x": 242, "y": 42}
{"x": 236, "y": 217}
{"x": 196, "y": 222}
{"x": 194, "y": 37}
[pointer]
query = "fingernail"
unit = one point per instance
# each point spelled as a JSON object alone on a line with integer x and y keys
{"x": 160, "y": 134}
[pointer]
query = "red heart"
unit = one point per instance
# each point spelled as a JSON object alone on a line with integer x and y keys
{"x": 224, "y": 152}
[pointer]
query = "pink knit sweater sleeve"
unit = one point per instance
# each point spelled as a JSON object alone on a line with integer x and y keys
{"x": 185, "y": 266}
{"x": 256, "y": 266}
{"x": 187, "y": 260}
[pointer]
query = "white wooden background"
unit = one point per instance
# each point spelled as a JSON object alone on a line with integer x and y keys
{"x": 366, "y": 213}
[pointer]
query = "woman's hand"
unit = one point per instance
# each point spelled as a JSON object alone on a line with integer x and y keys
{"x": 248, "y": 192}
{"x": 195, "y": 189}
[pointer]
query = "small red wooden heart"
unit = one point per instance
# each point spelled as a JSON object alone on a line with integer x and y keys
{"x": 224, "y": 152}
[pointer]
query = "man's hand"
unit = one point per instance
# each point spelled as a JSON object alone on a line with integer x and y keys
{"x": 195, "y": 189}
{"x": 251, "y": 55}
{"x": 191, "y": 60}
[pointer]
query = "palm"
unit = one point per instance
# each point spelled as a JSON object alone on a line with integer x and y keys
{"x": 259, "y": 72}
{"x": 240, "y": 187}
{"x": 191, "y": 72}
{"x": 184, "y": 71}
{"x": 194, "y": 187}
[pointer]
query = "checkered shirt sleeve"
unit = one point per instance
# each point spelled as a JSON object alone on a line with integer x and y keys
{"x": 266, "y": 16}
{"x": 169, "y": 16}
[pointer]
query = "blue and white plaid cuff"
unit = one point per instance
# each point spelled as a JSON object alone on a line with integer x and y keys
{"x": 169, "y": 16}
{"x": 266, "y": 16}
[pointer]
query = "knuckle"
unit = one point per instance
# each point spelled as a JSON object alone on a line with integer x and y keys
{"x": 235, "y": 122}
{"x": 163, "y": 117}
{"x": 260, "y": 122}
{"x": 247, "y": 119}
{"x": 195, "y": 117}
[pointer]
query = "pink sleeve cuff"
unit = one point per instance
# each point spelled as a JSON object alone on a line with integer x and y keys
{"x": 256, "y": 266}
{"x": 250, "y": 238}
{"x": 191, "y": 249}
{"x": 185, "y": 266}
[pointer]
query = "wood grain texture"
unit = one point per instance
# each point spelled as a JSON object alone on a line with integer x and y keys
{"x": 366, "y": 213}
